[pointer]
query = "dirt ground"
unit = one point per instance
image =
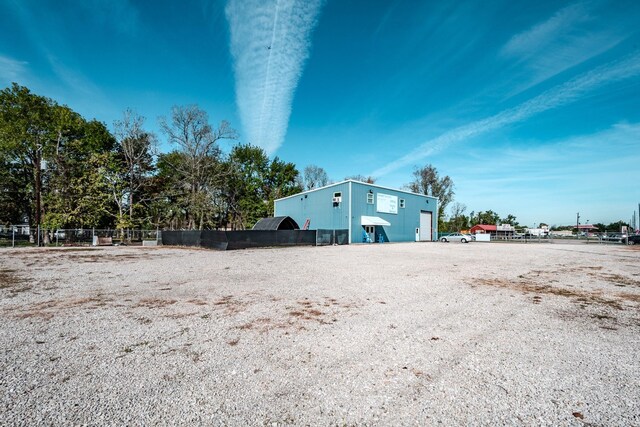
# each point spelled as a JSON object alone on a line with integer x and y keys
{"x": 390, "y": 334}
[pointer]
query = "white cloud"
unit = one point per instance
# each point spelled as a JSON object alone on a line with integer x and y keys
{"x": 270, "y": 42}
{"x": 12, "y": 70}
{"x": 568, "y": 38}
{"x": 547, "y": 32}
{"x": 74, "y": 80}
{"x": 553, "y": 98}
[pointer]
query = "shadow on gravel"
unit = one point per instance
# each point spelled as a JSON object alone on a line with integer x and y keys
{"x": 594, "y": 304}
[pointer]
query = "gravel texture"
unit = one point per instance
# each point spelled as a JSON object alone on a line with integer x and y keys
{"x": 391, "y": 334}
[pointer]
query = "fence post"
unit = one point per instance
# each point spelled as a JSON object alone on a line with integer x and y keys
{"x": 38, "y": 231}
{"x": 13, "y": 237}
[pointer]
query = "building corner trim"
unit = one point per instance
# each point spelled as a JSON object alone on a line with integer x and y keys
{"x": 350, "y": 203}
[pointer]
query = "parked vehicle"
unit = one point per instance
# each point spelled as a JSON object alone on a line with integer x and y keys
{"x": 614, "y": 237}
{"x": 634, "y": 239}
{"x": 457, "y": 237}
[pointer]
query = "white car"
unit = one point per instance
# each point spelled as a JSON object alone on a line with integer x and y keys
{"x": 457, "y": 237}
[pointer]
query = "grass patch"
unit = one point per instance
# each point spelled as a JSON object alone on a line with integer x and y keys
{"x": 578, "y": 296}
{"x": 619, "y": 280}
{"x": 11, "y": 281}
{"x": 155, "y": 302}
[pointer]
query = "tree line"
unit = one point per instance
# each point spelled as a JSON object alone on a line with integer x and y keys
{"x": 59, "y": 170}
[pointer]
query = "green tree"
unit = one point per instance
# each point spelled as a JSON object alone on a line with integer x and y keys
{"x": 246, "y": 189}
{"x": 135, "y": 148}
{"x": 510, "y": 219}
{"x": 282, "y": 180}
{"x": 254, "y": 183}
{"x": 616, "y": 226}
{"x": 198, "y": 164}
{"x": 488, "y": 217}
{"x": 78, "y": 147}
{"x": 89, "y": 192}
{"x": 26, "y": 140}
{"x": 427, "y": 180}
{"x": 47, "y": 148}
{"x": 14, "y": 197}
{"x": 170, "y": 205}
{"x": 457, "y": 220}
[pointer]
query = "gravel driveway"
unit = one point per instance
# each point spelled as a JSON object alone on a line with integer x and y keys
{"x": 391, "y": 334}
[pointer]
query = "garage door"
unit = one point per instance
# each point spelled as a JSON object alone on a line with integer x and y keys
{"x": 425, "y": 226}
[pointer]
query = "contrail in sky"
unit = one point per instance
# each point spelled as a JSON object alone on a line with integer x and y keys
{"x": 555, "y": 97}
{"x": 270, "y": 41}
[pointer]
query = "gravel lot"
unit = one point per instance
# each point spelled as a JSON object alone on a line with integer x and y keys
{"x": 392, "y": 334}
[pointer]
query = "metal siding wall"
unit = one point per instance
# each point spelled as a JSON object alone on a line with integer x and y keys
{"x": 318, "y": 207}
{"x": 403, "y": 225}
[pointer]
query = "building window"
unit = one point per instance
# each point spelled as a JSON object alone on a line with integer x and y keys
{"x": 369, "y": 198}
{"x": 401, "y": 203}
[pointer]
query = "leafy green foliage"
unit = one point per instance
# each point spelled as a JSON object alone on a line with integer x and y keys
{"x": 135, "y": 147}
{"x": 62, "y": 171}
{"x": 427, "y": 180}
{"x": 47, "y": 148}
{"x": 255, "y": 182}
{"x": 14, "y": 196}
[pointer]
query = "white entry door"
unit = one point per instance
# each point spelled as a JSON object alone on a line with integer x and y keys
{"x": 371, "y": 231}
{"x": 425, "y": 226}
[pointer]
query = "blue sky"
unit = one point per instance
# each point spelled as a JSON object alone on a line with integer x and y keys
{"x": 532, "y": 108}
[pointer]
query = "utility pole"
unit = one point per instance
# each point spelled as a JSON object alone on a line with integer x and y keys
{"x": 578, "y": 225}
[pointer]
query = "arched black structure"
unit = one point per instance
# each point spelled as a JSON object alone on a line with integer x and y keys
{"x": 276, "y": 223}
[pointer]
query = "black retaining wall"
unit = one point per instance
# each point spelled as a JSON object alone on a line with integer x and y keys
{"x": 227, "y": 240}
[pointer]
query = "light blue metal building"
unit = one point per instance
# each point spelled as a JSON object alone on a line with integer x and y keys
{"x": 370, "y": 212}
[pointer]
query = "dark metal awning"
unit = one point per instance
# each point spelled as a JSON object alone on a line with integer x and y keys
{"x": 276, "y": 223}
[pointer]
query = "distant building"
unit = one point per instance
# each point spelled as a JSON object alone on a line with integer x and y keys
{"x": 501, "y": 231}
{"x": 538, "y": 232}
{"x": 561, "y": 233}
{"x": 370, "y": 213}
{"x": 586, "y": 229}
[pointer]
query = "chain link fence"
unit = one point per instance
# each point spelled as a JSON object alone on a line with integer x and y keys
{"x": 332, "y": 237}
{"x": 23, "y": 235}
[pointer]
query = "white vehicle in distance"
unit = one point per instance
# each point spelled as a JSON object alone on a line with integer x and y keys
{"x": 457, "y": 237}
